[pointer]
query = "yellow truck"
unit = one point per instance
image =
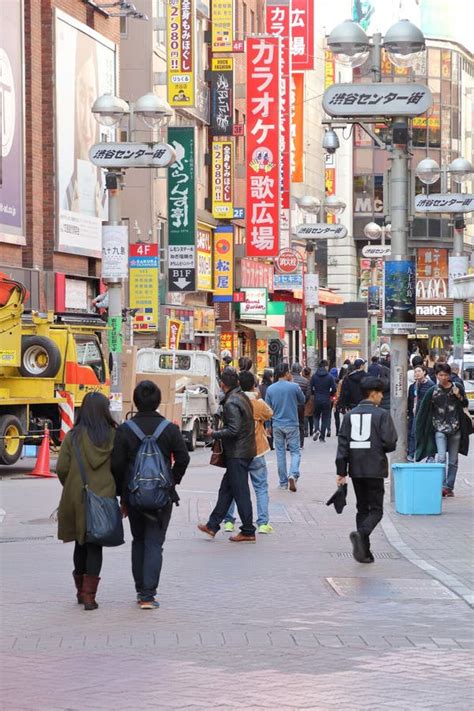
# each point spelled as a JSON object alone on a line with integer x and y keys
{"x": 48, "y": 363}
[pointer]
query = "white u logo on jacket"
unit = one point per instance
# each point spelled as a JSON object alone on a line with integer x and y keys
{"x": 360, "y": 431}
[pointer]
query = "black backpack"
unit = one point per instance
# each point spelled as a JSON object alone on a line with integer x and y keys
{"x": 150, "y": 486}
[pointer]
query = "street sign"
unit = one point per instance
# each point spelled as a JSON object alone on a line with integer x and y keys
{"x": 287, "y": 261}
{"x": 132, "y": 155}
{"x": 181, "y": 279}
{"x": 445, "y": 202}
{"x": 239, "y": 213}
{"x": 376, "y": 251}
{"x": 320, "y": 230}
{"x": 377, "y": 100}
{"x": 311, "y": 290}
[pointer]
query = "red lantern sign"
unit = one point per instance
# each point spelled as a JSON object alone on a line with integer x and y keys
{"x": 287, "y": 261}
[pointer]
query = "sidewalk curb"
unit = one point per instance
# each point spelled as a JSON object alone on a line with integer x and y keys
{"x": 449, "y": 581}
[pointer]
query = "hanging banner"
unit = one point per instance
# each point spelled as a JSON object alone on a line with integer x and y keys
{"x": 458, "y": 266}
{"x": 222, "y": 180}
{"x": 114, "y": 252}
{"x": 222, "y": 34}
{"x": 223, "y": 263}
{"x": 399, "y": 296}
{"x": 174, "y": 330}
{"x": 311, "y": 290}
{"x": 182, "y": 210}
{"x": 181, "y": 16}
{"x": 330, "y": 184}
{"x": 373, "y": 299}
{"x": 204, "y": 258}
{"x": 222, "y": 96}
{"x": 329, "y": 68}
{"x": 302, "y": 34}
{"x": 143, "y": 269}
{"x": 297, "y": 127}
{"x": 278, "y": 14}
{"x": 263, "y": 146}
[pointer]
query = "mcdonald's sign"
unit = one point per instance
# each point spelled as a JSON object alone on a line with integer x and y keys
{"x": 436, "y": 343}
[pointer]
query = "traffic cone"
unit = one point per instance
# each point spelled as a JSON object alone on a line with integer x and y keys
{"x": 42, "y": 467}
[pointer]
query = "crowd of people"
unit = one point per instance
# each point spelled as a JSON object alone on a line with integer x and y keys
{"x": 287, "y": 406}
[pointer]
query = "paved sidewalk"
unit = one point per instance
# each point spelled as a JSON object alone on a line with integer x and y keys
{"x": 290, "y": 623}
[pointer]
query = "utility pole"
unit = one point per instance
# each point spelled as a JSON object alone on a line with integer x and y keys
{"x": 311, "y": 360}
{"x": 458, "y": 304}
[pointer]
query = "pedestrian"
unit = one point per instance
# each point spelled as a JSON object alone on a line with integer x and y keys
{"x": 455, "y": 377}
{"x": 258, "y": 466}
{"x": 416, "y": 393}
{"x": 351, "y": 391}
{"x": 384, "y": 376}
{"x": 226, "y": 357}
{"x": 297, "y": 378}
{"x": 284, "y": 398}
{"x": 335, "y": 374}
{"x": 374, "y": 367}
{"x": 345, "y": 369}
{"x": 237, "y": 435}
{"x": 309, "y": 406}
{"x": 91, "y": 439}
{"x": 267, "y": 380}
{"x": 245, "y": 363}
{"x": 442, "y": 428}
{"x": 148, "y": 528}
{"x": 367, "y": 434}
{"x": 323, "y": 388}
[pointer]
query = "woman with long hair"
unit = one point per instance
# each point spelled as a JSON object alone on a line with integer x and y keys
{"x": 91, "y": 440}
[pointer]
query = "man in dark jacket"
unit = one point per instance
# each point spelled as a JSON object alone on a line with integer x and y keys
{"x": 323, "y": 387}
{"x": 297, "y": 378}
{"x": 148, "y": 530}
{"x": 374, "y": 367}
{"x": 367, "y": 433}
{"x": 351, "y": 393}
{"x": 238, "y": 442}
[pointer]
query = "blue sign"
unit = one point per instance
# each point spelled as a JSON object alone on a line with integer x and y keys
{"x": 288, "y": 281}
{"x": 239, "y": 213}
{"x": 399, "y": 295}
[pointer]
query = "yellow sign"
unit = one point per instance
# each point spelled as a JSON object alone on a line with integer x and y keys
{"x": 224, "y": 262}
{"x": 144, "y": 269}
{"x": 223, "y": 180}
{"x": 181, "y": 52}
{"x": 203, "y": 258}
{"x": 222, "y": 37}
{"x": 222, "y": 64}
{"x": 174, "y": 329}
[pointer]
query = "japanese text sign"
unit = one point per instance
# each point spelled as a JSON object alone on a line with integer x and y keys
{"x": 432, "y": 262}
{"x": 144, "y": 267}
{"x": 204, "y": 258}
{"x": 174, "y": 329}
{"x": 181, "y": 16}
{"x": 263, "y": 146}
{"x": 255, "y": 304}
{"x": 223, "y": 263}
{"x": 330, "y": 184}
{"x": 222, "y": 13}
{"x": 222, "y": 179}
{"x": 131, "y": 155}
{"x": 449, "y": 202}
{"x": 399, "y": 312}
{"x": 297, "y": 127}
{"x": 114, "y": 252}
{"x": 182, "y": 187}
{"x": 377, "y": 99}
{"x": 222, "y": 96}
{"x": 256, "y": 273}
{"x": 302, "y": 34}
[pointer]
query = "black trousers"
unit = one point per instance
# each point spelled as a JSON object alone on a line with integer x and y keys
{"x": 369, "y": 495}
{"x": 234, "y": 485}
{"x": 322, "y": 413}
{"x": 149, "y": 533}
{"x": 87, "y": 559}
{"x": 337, "y": 420}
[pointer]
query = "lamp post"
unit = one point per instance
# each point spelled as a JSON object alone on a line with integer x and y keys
{"x": 109, "y": 110}
{"x": 402, "y": 43}
{"x": 374, "y": 231}
{"x": 460, "y": 170}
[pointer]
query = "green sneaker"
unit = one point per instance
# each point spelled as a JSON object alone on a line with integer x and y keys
{"x": 265, "y": 528}
{"x": 229, "y": 526}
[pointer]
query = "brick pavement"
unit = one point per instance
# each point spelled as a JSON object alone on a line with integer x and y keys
{"x": 291, "y": 623}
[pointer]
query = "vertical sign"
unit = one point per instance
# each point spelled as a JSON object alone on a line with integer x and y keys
{"x": 182, "y": 210}
{"x": 222, "y": 34}
{"x": 222, "y": 180}
{"x": 143, "y": 264}
{"x": 223, "y": 263}
{"x": 181, "y": 47}
{"x": 204, "y": 258}
{"x": 329, "y": 79}
{"x": 399, "y": 313}
{"x": 263, "y": 146}
{"x": 330, "y": 185}
{"x": 297, "y": 127}
{"x": 302, "y": 34}
{"x": 174, "y": 329}
{"x": 222, "y": 96}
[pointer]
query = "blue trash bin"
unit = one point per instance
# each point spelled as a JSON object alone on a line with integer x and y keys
{"x": 418, "y": 487}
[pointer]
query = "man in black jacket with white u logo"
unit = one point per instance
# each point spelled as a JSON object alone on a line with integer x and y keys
{"x": 367, "y": 433}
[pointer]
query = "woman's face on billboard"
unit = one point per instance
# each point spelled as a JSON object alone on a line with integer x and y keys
{"x": 86, "y": 94}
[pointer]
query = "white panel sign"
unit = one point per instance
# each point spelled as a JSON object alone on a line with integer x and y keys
{"x": 132, "y": 155}
{"x": 375, "y": 251}
{"x": 458, "y": 266}
{"x": 447, "y": 202}
{"x": 377, "y": 100}
{"x": 181, "y": 256}
{"x": 255, "y": 304}
{"x": 311, "y": 289}
{"x": 114, "y": 252}
{"x": 320, "y": 230}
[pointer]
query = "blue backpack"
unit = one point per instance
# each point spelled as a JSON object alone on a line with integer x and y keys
{"x": 151, "y": 482}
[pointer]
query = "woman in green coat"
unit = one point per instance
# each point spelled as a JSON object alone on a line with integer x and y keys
{"x": 94, "y": 433}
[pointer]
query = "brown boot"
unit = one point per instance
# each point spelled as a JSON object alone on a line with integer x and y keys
{"x": 89, "y": 589}
{"x": 79, "y": 580}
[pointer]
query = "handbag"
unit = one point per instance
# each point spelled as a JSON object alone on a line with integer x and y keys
{"x": 218, "y": 456}
{"x": 469, "y": 421}
{"x": 104, "y": 525}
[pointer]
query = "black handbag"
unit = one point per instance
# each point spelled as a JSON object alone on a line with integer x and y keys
{"x": 104, "y": 525}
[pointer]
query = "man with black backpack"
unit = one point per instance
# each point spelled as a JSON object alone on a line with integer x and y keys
{"x": 146, "y": 481}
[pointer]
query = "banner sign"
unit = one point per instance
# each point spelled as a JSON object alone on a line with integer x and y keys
{"x": 297, "y": 127}
{"x": 448, "y": 202}
{"x": 458, "y": 266}
{"x": 373, "y": 299}
{"x": 311, "y": 290}
{"x": 377, "y": 100}
{"x": 181, "y": 16}
{"x": 132, "y": 155}
{"x": 329, "y": 68}
{"x": 143, "y": 269}
{"x": 174, "y": 329}
{"x": 256, "y": 273}
{"x": 255, "y": 304}
{"x": 222, "y": 14}
{"x": 302, "y": 34}
{"x": 204, "y": 258}
{"x": 330, "y": 183}
{"x": 399, "y": 295}
{"x": 263, "y": 146}
{"x": 114, "y": 252}
{"x": 223, "y": 180}
{"x": 222, "y": 96}
{"x": 223, "y": 263}
{"x": 182, "y": 210}
{"x": 432, "y": 262}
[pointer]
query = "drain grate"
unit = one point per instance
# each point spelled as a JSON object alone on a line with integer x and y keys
{"x": 381, "y": 556}
{"x": 20, "y": 539}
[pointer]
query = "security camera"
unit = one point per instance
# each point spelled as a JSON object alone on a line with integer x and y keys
{"x": 330, "y": 141}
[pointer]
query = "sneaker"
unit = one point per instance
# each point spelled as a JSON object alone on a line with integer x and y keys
{"x": 321, "y": 439}
{"x": 282, "y": 487}
{"x": 148, "y": 604}
{"x": 265, "y": 528}
{"x": 242, "y": 538}
{"x": 316, "y": 436}
{"x": 410, "y": 458}
{"x": 448, "y": 492}
{"x": 229, "y": 526}
{"x": 204, "y": 529}
{"x": 292, "y": 483}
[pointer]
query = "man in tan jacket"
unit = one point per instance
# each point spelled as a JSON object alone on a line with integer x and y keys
{"x": 258, "y": 467}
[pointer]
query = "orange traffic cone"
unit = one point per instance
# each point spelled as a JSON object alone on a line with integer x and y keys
{"x": 42, "y": 467}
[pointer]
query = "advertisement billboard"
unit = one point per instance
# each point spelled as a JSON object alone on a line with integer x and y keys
{"x": 223, "y": 263}
{"x": 182, "y": 210}
{"x": 11, "y": 122}
{"x": 302, "y": 34}
{"x": 222, "y": 27}
{"x": 223, "y": 180}
{"x": 399, "y": 295}
{"x": 297, "y": 127}
{"x": 143, "y": 267}
{"x": 181, "y": 42}
{"x": 203, "y": 258}
{"x": 85, "y": 69}
{"x": 222, "y": 96}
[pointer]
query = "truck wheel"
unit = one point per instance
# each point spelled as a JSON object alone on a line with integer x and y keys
{"x": 10, "y": 442}
{"x": 192, "y": 441}
{"x": 40, "y": 357}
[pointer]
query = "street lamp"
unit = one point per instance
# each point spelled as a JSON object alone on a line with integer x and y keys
{"x": 154, "y": 111}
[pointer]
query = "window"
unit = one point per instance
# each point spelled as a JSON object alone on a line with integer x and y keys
{"x": 434, "y": 62}
{"x": 123, "y": 27}
{"x": 89, "y": 354}
{"x": 160, "y": 36}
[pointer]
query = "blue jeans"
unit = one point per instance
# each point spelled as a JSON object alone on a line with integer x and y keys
{"x": 259, "y": 478}
{"x": 282, "y": 436}
{"x": 448, "y": 444}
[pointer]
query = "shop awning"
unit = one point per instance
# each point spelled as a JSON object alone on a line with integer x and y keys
{"x": 261, "y": 331}
{"x": 329, "y": 297}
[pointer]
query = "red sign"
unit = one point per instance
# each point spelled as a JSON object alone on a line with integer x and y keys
{"x": 287, "y": 261}
{"x": 238, "y": 46}
{"x": 141, "y": 249}
{"x": 263, "y": 146}
{"x": 238, "y": 129}
{"x": 302, "y": 34}
{"x": 297, "y": 127}
{"x": 255, "y": 274}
